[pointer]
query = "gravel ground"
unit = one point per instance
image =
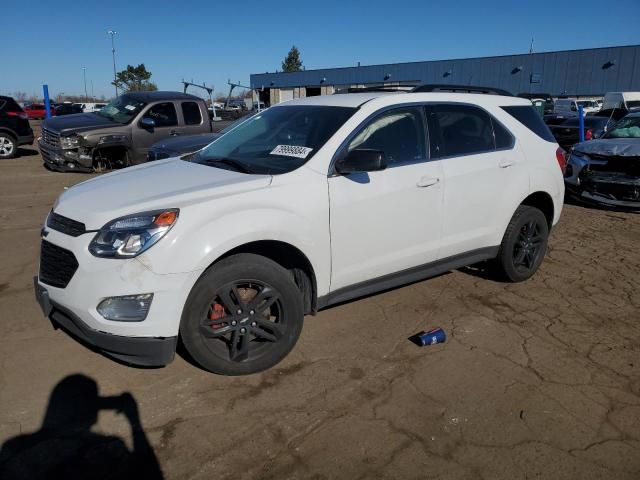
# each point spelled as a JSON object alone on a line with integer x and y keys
{"x": 536, "y": 380}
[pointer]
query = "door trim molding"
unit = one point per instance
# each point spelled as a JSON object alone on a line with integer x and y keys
{"x": 404, "y": 277}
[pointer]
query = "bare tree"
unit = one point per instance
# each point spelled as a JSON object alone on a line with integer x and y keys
{"x": 19, "y": 96}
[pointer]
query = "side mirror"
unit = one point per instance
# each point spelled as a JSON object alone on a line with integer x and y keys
{"x": 147, "y": 123}
{"x": 362, "y": 160}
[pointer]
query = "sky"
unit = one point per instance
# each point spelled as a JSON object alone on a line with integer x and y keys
{"x": 50, "y": 41}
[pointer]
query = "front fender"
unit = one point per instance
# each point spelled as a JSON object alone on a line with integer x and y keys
{"x": 207, "y": 231}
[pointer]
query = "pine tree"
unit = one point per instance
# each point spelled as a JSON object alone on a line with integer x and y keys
{"x": 292, "y": 62}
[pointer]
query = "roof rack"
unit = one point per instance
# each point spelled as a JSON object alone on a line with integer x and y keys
{"x": 461, "y": 89}
{"x": 382, "y": 88}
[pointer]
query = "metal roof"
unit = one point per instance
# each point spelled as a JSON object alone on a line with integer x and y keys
{"x": 571, "y": 72}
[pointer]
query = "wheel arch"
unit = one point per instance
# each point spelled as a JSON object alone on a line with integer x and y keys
{"x": 543, "y": 202}
{"x": 9, "y": 132}
{"x": 289, "y": 257}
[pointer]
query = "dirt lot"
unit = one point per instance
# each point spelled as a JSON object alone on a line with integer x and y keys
{"x": 536, "y": 380}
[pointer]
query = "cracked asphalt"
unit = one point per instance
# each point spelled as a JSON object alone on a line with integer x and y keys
{"x": 536, "y": 380}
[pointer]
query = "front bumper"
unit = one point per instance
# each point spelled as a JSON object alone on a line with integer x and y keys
{"x": 74, "y": 302}
{"x": 61, "y": 160}
{"x": 611, "y": 189}
{"x": 142, "y": 351}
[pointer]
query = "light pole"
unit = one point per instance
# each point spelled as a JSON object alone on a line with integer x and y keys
{"x": 113, "y": 53}
{"x": 84, "y": 75}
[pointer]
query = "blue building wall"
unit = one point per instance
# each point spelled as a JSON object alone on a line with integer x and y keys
{"x": 572, "y": 72}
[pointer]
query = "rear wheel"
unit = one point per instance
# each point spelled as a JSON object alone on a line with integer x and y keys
{"x": 524, "y": 244}
{"x": 244, "y": 315}
{"x": 8, "y": 146}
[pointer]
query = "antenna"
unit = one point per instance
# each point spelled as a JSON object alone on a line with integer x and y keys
{"x": 531, "y": 46}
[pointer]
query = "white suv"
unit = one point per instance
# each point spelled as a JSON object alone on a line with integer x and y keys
{"x": 311, "y": 202}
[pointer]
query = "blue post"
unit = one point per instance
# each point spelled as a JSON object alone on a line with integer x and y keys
{"x": 581, "y": 117}
{"x": 47, "y": 102}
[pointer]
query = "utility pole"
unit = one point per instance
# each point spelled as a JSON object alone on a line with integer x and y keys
{"x": 84, "y": 74}
{"x": 113, "y": 53}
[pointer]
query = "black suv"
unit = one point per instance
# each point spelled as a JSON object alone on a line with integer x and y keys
{"x": 14, "y": 127}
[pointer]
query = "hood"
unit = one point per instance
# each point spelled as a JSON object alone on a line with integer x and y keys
{"x": 186, "y": 144}
{"x": 170, "y": 183}
{"x": 78, "y": 122}
{"x": 618, "y": 147}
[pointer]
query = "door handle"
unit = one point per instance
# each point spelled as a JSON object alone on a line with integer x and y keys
{"x": 427, "y": 182}
{"x": 173, "y": 133}
{"x": 505, "y": 162}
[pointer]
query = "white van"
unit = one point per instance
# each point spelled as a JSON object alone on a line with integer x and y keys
{"x": 566, "y": 106}
{"x": 623, "y": 100}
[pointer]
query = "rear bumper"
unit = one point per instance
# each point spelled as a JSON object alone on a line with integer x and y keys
{"x": 26, "y": 139}
{"x": 142, "y": 351}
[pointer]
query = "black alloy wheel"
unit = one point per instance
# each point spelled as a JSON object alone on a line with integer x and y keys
{"x": 524, "y": 244}
{"x": 528, "y": 247}
{"x": 244, "y": 315}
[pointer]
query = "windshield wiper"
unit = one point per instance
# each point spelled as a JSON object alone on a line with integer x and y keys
{"x": 235, "y": 164}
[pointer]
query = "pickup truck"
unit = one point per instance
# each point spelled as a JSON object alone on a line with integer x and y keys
{"x": 121, "y": 133}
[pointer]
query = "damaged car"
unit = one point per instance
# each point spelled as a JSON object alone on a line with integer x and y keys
{"x": 121, "y": 133}
{"x": 607, "y": 171}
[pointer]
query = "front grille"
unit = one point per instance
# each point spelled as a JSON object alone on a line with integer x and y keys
{"x": 65, "y": 225}
{"x": 50, "y": 138}
{"x": 57, "y": 265}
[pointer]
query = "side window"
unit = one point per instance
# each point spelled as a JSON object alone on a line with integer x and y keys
{"x": 399, "y": 133}
{"x": 191, "y": 113}
{"x": 164, "y": 114}
{"x": 464, "y": 130}
{"x": 503, "y": 137}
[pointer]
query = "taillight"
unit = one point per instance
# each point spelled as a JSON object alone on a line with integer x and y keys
{"x": 561, "y": 156}
{"x": 22, "y": 115}
{"x": 588, "y": 135}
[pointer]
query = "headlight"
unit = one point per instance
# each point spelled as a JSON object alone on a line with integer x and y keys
{"x": 129, "y": 236}
{"x": 70, "y": 142}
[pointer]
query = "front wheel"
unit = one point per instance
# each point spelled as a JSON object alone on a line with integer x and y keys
{"x": 244, "y": 315}
{"x": 524, "y": 244}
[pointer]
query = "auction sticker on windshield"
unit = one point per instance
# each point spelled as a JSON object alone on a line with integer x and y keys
{"x": 130, "y": 107}
{"x": 291, "y": 151}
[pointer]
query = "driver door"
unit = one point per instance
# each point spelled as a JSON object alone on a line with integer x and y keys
{"x": 386, "y": 221}
{"x": 166, "y": 124}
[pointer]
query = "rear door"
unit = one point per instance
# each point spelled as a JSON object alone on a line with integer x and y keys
{"x": 386, "y": 221}
{"x": 192, "y": 119}
{"x": 483, "y": 172}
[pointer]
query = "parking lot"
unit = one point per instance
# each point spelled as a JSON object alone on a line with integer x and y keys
{"x": 536, "y": 380}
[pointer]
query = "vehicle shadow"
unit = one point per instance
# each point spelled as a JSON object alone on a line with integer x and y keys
{"x": 66, "y": 448}
{"x": 26, "y": 152}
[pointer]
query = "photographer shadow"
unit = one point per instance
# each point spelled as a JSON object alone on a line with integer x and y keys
{"x": 66, "y": 448}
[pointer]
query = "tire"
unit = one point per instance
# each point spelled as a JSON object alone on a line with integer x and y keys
{"x": 524, "y": 245}
{"x": 225, "y": 326}
{"x": 8, "y": 146}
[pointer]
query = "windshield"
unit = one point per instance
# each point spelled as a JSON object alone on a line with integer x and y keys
{"x": 122, "y": 109}
{"x": 275, "y": 141}
{"x": 626, "y": 128}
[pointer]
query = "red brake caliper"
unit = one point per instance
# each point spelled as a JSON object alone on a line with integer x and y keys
{"x": 217, "y": 312}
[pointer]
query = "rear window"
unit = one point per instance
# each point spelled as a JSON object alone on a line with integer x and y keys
{"x": 464, "y": 130}
{"x": 191, "y": 113}
{"x": 530, "y": 119}
{"x": 9, "y": 105}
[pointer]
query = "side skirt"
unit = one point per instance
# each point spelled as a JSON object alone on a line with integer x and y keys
{"x": 407, "y": 276}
